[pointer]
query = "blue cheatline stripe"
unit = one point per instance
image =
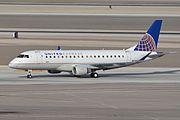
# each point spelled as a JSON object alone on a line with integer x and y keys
{"x": 143, "y": 58}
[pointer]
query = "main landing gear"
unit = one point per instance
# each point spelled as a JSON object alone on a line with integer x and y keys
{"x": 29, "y": 74}
{"x": 94, "y": 75}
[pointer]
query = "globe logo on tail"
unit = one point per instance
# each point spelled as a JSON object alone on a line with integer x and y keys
{"x": 146, "y": 44}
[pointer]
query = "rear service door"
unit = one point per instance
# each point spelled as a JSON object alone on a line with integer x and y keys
{"x": 129, "y": 56}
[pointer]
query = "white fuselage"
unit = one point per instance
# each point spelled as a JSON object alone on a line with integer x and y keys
{"x": 65, "y": 60}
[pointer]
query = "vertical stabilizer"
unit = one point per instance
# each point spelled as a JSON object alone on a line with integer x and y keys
{"x": 149, "y": 41}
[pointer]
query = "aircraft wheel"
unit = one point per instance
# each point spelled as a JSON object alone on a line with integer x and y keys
{"x": 29, "y": 76}
{"x": 94, "y": 75}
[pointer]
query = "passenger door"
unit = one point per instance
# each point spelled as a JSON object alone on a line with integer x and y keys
{"x": 38, "y": 57}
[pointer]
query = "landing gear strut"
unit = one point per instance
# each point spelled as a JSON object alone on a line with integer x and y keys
{"x": 29, "y": 74}
{"x": 94, "y": 75}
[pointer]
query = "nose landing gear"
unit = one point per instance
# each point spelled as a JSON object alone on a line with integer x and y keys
{"x": 29, "y": 74}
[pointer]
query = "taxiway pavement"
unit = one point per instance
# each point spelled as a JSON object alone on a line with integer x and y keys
{"x": 123, "y": 75}
{"x": 127, "y": 93}
{"x": 117, "y": 2}
{"x": 98, "y": 22}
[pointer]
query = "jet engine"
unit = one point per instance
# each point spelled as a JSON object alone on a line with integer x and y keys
{"x": 54, "y": 71}
{"x": 80, "y": 70}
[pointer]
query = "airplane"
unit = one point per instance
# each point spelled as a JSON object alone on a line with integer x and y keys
{"x": 87, "y": 62}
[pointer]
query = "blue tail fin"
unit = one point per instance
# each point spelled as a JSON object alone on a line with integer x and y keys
{"x": 149, "y": 41}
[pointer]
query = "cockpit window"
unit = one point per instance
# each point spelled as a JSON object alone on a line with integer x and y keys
{"x": 20, "y": 56}
{"x": 26, "y": 56}
{"x": 23, "y": 56}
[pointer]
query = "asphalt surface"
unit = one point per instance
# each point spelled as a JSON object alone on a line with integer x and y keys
{"x": 131, "y": 93}
{"x": 86, "y": 22}
{"x": 94, "y": 1}
{"x": 122, "y": 75}
{"x": 127, "y": 93}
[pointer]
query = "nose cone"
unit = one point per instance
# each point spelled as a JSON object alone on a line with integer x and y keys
{"x": 12, "y": 64}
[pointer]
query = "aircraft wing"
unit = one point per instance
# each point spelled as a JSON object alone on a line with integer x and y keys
{"x": 102, "y": 66}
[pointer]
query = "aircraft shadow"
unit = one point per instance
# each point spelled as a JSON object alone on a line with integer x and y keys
{"x": 140, "y": 73}
{"x": 49, "y": 76}
{"x": 109, "y": 74}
